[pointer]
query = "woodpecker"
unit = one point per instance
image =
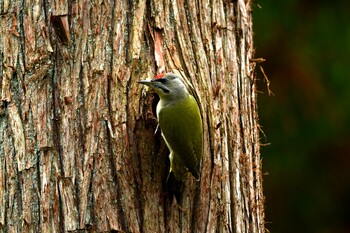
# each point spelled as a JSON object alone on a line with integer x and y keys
{"x": 180, "y": 122}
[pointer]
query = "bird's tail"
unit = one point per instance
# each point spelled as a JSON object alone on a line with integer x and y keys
{"x": 174, "y": 187}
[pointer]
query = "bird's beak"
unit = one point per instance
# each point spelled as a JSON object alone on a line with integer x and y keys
{"x": 156, "y": 86}
{"x": 145, "y": 82}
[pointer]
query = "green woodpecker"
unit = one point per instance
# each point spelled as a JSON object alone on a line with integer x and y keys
{"x": 180, "y": 122}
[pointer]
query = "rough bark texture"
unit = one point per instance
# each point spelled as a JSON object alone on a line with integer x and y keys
{"x": 77, "y": 148}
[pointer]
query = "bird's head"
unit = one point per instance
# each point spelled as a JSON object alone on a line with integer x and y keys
{"x": 167, "y": 86}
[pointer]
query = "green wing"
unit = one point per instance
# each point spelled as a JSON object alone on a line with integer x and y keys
{"x": 182, "y": 130}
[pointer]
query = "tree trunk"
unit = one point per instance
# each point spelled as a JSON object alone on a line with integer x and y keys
{"x": 78, "y": 150}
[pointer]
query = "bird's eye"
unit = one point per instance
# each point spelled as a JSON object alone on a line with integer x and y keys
{"x": 162, "y": 80}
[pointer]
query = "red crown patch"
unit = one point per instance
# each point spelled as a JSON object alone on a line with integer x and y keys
{"x": 159, "y": 76}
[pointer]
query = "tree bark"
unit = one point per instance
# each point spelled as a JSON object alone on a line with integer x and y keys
{"x": 78, "y": 150}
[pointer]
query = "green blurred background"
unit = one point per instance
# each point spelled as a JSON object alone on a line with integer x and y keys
{"x": 306, "y": 45}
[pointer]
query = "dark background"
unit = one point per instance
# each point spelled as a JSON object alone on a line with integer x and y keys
{"x": 306, "y": 45}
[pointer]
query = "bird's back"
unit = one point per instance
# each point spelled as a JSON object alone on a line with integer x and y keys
{"x": 181, "y": 126}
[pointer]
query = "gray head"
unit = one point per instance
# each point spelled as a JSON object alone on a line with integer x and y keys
{"x": 168, "y": 86}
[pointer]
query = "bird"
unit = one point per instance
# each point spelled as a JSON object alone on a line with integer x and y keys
{"x": 180, "y": 122}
